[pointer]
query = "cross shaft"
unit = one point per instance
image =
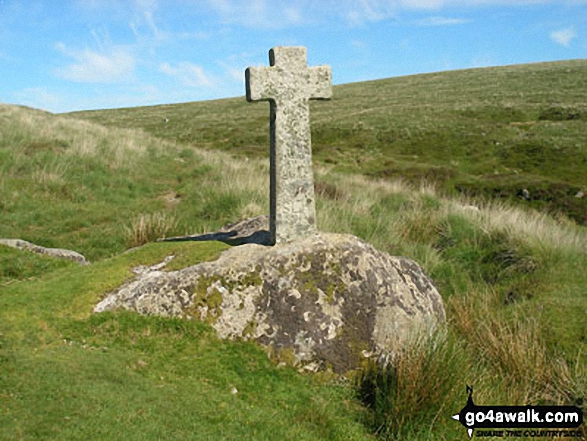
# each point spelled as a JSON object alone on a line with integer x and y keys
{"x": 288, "y": 84}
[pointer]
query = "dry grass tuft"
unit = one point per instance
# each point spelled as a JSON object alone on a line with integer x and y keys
{"x": 149, "y": 227}
{"x": 414, "y": 388}
{"x": 513, "y": 349}
{"x": 530, "y": 226}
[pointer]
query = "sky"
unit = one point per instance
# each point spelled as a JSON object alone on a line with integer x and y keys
{"x": 66, "y": 55}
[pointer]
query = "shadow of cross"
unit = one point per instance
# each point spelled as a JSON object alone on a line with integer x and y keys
{"x": 288, "y": 85}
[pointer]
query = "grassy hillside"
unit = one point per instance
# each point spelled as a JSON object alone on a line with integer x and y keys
{"x": 485, "y": 132}
{"x": 513, "y": 282}
{"x": 72, "y": 184}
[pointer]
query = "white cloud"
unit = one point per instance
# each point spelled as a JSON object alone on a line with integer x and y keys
{"x": 234, "y": 66}
{"x": 147, "y": 5}
{"x": 40, "y": 98}
{"x": 438, "y": 4}
{"x": 112, "y": 65}
{"x": 564, "y": 36}
{"x": 144, "y": 18}
{"x": 420, "y": 4}
{"x": 196, "y": 35}
{"x": 362, "y": 11}
{"x": 150, "y": 28}
{"x": 275, "y": 14}
{"x": 267, "y": 14}
{"x": 441, "y": 21}
{"x": 236, "y": 74}
{"x": 188, "y": 74}
{"x": 293, "y": 15}
{"x": 359, "y": 12}
{"x": 151, "y": 24}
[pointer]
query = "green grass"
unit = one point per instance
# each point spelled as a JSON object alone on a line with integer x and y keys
{"x": 67, "y": 374}
{"x": 16, "y": 265}
{"x": 512, "y": 279}
{"x": 75, "y": 185}
{"x": 483, "y": 132}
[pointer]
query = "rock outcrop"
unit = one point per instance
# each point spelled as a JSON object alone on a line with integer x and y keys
{"x": 52, "y": 252}
{"x": 326, "y": 301}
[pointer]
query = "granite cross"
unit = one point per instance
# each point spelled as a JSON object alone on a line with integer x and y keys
{"x": 288, "y": 85}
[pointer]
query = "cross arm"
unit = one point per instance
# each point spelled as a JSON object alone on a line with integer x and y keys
{"x": 320, "y": 82}
{"x": 261, "y": 84}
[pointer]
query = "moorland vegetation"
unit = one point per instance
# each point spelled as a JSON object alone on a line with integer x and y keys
{"x": 426, "y": 167}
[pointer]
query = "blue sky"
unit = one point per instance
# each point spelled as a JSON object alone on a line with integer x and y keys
{"x": 65, "y": 55}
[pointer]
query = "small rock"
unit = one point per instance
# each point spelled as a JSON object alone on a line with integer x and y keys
{"x": 53, "y": 252}
{"x": 579, "y": 194}
{"x": 524, "y": 194}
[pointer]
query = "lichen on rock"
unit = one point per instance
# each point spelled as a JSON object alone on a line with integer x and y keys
{"x": 330, "y": 300}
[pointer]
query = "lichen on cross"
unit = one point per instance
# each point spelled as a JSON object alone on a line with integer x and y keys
{"x": 288, "y": 84}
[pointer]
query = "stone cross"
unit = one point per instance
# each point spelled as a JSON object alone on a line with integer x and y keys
{"x": 288, "y": 85}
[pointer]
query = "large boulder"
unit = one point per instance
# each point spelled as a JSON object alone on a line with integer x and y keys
{"x": 326, "y": 301}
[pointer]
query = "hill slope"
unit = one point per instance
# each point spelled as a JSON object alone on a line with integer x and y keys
{"x": 513, "y": 283}
{"x": 68, "y": 374}
{"x": 487, "y": 132}
{"x": 67, "y": 183}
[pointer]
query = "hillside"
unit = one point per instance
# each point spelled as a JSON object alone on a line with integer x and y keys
{"x": 513, "y": 282}
{"x": 488, "y": 132}
{"x": 68, "y": 374}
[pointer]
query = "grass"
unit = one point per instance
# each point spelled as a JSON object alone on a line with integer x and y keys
{"x": 398, "y": 413}
{"x": 148, "y": 228}
{"x": 480, "y": 132}
{"x": 512, "y": 278}
{"x": 94, "y": 182}
{"x": 67, "y": 374}
{"x": 16, "y": 265}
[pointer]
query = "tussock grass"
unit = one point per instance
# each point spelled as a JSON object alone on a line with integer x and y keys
{"x": 405, "y": 395}
{"x": 515, "y": 350}
{"x": 415, "y": 212}
{"x": 147, "y": 228}
{"x": 539, "y": 227}
{"x": 499, "y": 269}
{"x": 73, "y": 184}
